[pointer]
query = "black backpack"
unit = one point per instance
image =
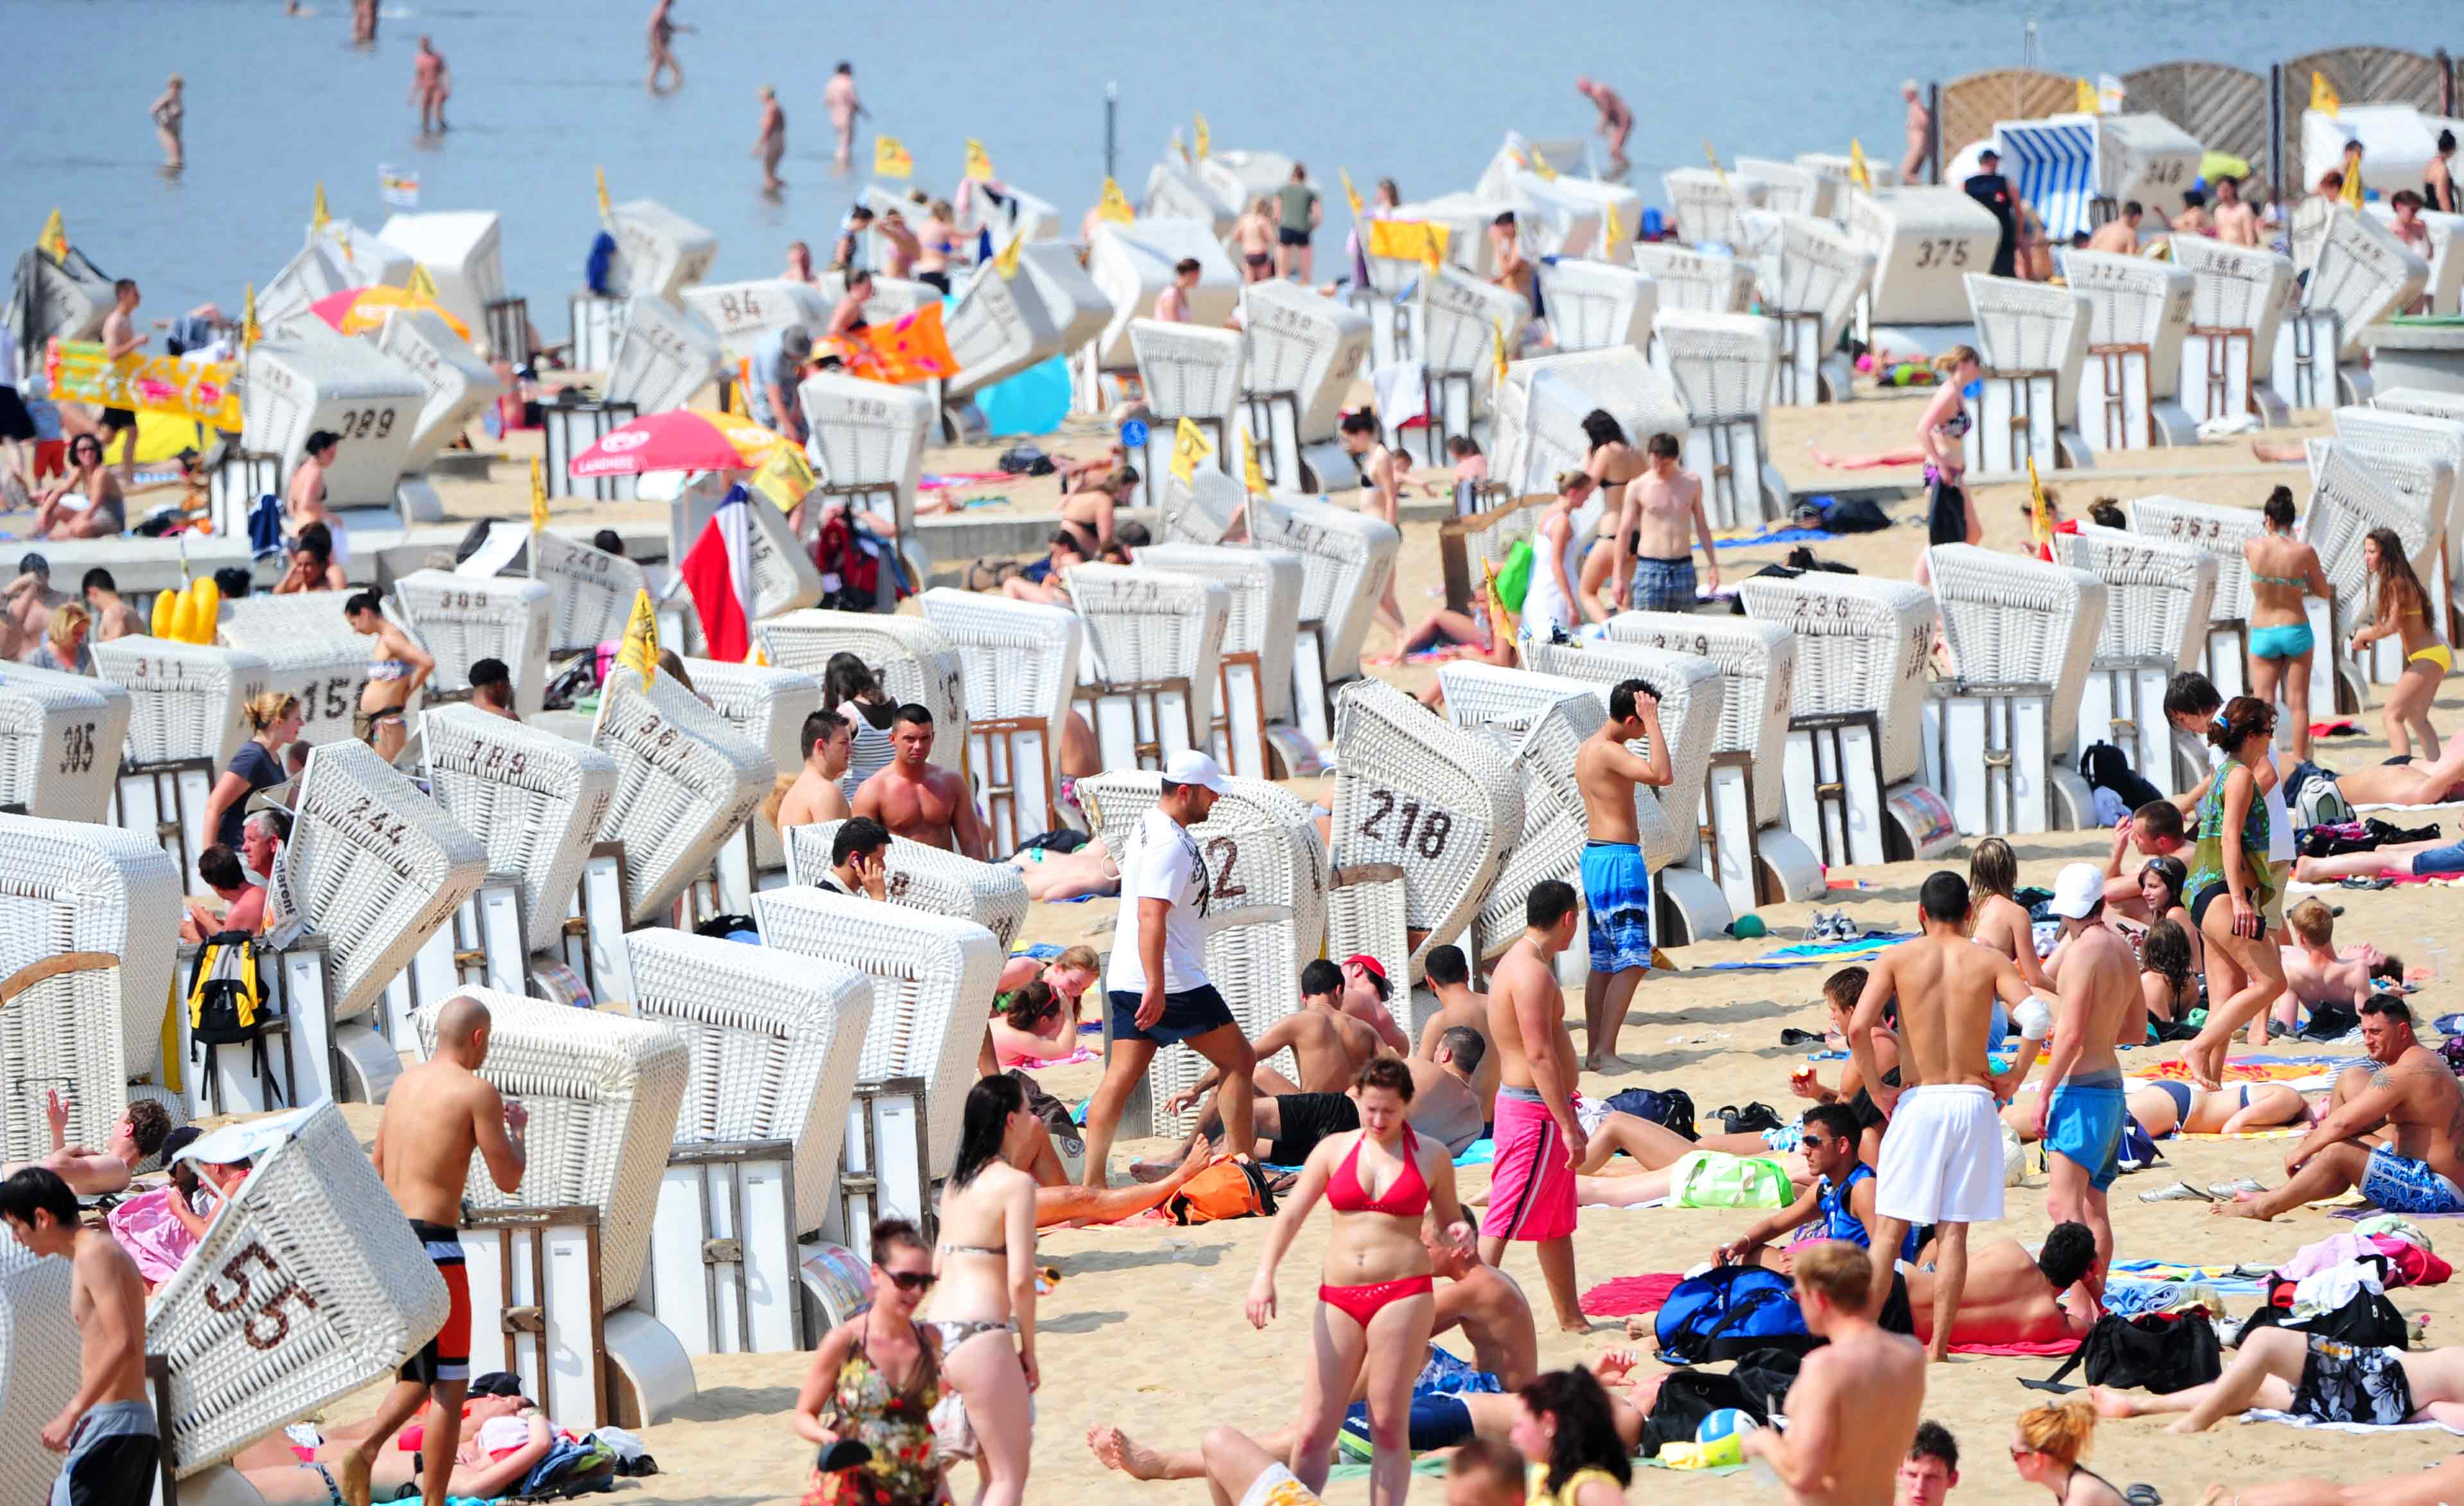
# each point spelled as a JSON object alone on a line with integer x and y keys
{"x": 2108, "y": 768}
{"x": 2367, "y": 1320}
{"x": 227, "y": 1004}
{"x": 2160, "y": 1352}
{"x": 1686, "y": 1398}
{"x": 1670, "y": 1109}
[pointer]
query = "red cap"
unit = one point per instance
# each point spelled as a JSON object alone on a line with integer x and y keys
{"x": 1374, "y": 967}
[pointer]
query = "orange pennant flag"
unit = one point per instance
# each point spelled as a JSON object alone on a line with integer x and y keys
{"x": 911, "y": 348}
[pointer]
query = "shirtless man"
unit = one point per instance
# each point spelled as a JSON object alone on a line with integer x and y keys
{"x": 1656, "y": 528}
{"x": 2194, "y": 220}
{"x": 1617, "y": 883}
{"x": 113, "y": 617}
{"x": 1531, "y": 1187}
{"x": 2412, "y": 1094}
{"x": 1920, "y": 130}
{"x": 770, "y": 141}
{"x": 98, "y": 1173}
{"x": 2155, "y": 831}
{"x": 2081, "y": 1117}
{"x": 1858, "y": 1399}
{"x": 2313, "y": 974}
{"x": 29, "y": 601}
{"x": 838, "y": 97}
{"x": 663, "y": 45}
{"x": 1287, "y": 1125}
{"x": 918, "y": 801}
{"x": 2236, "y": 222}
{"x": 1365, "y": 993}
{"x": 120, "y": 337}
{"x": 439, "y": 1114}
{"x": 1327, "y": 1045}
{"x": 1942, "y": 1155}
{"x": 1514, "y": 271}
{"x": 107, "y": 1430}
{"x": 2010, "y": 1297}
{"x": 815, "y": 794}
{"x": 430, "y": 86}
{"x": 2120, "y": 235}
{"x": 1450, "y": 979}
{"x": 1616, "y": 123}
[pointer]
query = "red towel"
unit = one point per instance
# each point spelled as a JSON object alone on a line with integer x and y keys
{"x": 1630, "y": 1294}
{"x": 2042, "y": 1347}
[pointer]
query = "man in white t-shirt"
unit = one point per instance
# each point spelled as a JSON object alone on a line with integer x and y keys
{"x": 1155, "y": 980}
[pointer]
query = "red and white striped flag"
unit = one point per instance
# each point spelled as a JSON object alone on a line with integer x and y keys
{"x": 718, "y": 571}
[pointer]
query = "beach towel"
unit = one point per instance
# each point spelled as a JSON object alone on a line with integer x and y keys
{"x": 2260, "y": 1414}
{"x": 1624, "y": 1295}
{"x": 2041, "y": 1348}
{"x": 1776, "y": 534}
{"x": 2249, "y": 1069}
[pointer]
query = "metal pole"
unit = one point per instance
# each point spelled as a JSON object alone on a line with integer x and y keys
{"x": 1112, "y": 134}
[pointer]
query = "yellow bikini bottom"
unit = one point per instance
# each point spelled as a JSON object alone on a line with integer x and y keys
{"x": 2435, "y": 653}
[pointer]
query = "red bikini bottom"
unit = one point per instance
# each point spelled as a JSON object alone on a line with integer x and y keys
{"x": 1361, "y": 1303}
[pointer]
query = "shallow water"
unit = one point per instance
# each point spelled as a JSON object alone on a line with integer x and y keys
{"x": 544, "y": 89}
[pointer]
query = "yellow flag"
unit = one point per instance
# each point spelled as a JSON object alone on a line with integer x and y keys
{"x": 600, "y": 175}
{"x": 1613, "y": 233}
{"x": 248, "y": 332}
{"x": 1406, "y": 240}
{"x": 1115, "y": 206}
{"x": 2322, "y": 94}
{"x": 1189, "y": 447}
{"x": 1351, "y": 194}
{"x": 1007, "y": 263}
{"x": 1497, "y": 331}
{"x": 979, "y": 161}
{"x": 1540, "y": 165}
{"x": 55, "y": 239}
{"x": 889, "y": 160}
{"x": 420, "y": 284}
{"x": 317, "y": 212}
{"x": 342, "y": 235}
{"x": 759, "y": 656}
{"x": 2040, "y": 521}
{"x": 538, "y": 497}
{"x": 1205, "y": 137}
{"x": 1859, "y": 173}
{"x": 1715, "y": 165}
{"x": 2087, "y": 100}
{"x": 2352, "y": 181}
{"x": 1432, "y": 246}
{"x": 1253, "y": 477}
{"x": 641, "y": 646}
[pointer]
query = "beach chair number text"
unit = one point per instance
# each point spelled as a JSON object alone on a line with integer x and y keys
{"x": 271, "y": 1322}
{"x": 365, "y": 810}
{"x": 76, "y": 748}
{"x": 1942, "y": 251}
{"x": 1225, "y": 852}
{"x": 1433, "y": 827}
{"x": 365, "y": 424}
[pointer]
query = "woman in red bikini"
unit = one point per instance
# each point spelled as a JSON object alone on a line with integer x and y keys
{"x": 1375, "y": 1307}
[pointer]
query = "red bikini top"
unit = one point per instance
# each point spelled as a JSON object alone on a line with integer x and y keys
{"x": 1407, "y": 1198}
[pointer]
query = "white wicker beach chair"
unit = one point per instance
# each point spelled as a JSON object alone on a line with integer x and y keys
{"x": 1155, "y": 640}
{"x": 1788, "y": 188}
{"x": 73, "y": 886}
{"x": 458, "y": 383}
{"x": 462, "y": 620}
{"x": 1019, "y": 660}
{"x": 2217, "y": 531}
{"x": 867, "y": 441}
{"x": 1705, "y": 282}
{"x": 1544, "y": 401}
{"x": 1544, "y": 720}
{"x": 1304, "y": 352}
{"x": 1460, "y": 316}
{"x": 2159, "y": 593}
{"x": 2362, "y": 273}
{"x": 1758, "y": 663}
{"x": 1722, "y": 365}
{"x": 61, "y": 737}
{"x": 39, "y": 1354}
{"x": 1206, "y": 510}
{"x": 310, "y": 651}
{"x": 1116, "y": 800}
{"x": 767, "y": 707}
{"x": 2237, "y": 303}
{"x": 2007, "y": 619}
{"x": 603, "y": 1093}
{"x": 1708, "y": 203}
{"x": 1811, "y": 274}
{"x": 1441, "y": 803}
{"x": 536, "y": 799}
{"x": 2420, "y": 456}
{"x": 1693, "y": 699}
{"x": 1597, "y": 305}
{"x": 374, "y": 865}
{"x": 1861, "y": 646}
{"x": 999, "y": 327}
{"x": 1254, "y": 680}
{"x": 933, "y": 980}
{"x": 925, "y": 878}
{"x": 915, "y": 661}
{"x": 1346, "y": 558}
{"x": 2349, "y": 496}
{"x": 664, "y": 354}
{"x": 1922, "y": 239}
{"x": 590, "y": 591}
{"x": 2139, "y": 313}
{"x": 189, "y": 700}
{"x": 686, "y": 780}
{"x": 309, "y": 1285}
{"x": 1192, "y": 372}
{"x": 775, "y": 1039}
{"x": 2032, "y": 336}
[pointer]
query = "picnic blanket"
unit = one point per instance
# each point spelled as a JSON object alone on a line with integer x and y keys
{"x": 1811, "y": 955}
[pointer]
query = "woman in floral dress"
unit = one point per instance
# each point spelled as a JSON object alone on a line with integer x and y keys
{"x": 874, "y": 1382}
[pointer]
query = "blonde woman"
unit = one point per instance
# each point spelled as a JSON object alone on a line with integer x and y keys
{"x": 273, "y": 724}
{"x": 63, "y": 646}
{"x": 2045, "y": 1449}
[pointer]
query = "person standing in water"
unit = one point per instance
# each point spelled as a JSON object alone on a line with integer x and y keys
{"x": 663, "y": 46}
{"x": 167, "y": 112}
{"x": 770, "y": 145}
{"x": 432, "y": 84}
{"x": 838, "y": 97}
{"x": 1616, "y": 123}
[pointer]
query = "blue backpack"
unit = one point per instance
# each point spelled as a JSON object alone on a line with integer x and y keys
{"x": 1725, "y": 1312}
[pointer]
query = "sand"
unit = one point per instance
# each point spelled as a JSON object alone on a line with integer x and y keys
{"x": 1146, "y": 1329}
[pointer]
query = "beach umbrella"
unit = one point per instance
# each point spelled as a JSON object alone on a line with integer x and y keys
{"x": 356, "y": 310}
{"x": 2222, "y": 164}
{"x": 681, "y": 439}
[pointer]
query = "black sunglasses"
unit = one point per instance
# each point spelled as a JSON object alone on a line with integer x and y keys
{"x": 913, "y": 1280}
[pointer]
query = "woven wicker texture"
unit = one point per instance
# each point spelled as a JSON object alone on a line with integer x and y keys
{"x": 2029, "y": 327}
{"x": 1510, "y": 702}
{"x": 2421, "y": 401}
{"x": 1758, "y": 661}
{"x": 768, "y": 707}
{"x": 1593, "y": 305}
{"x": 38, "y": 1368}
{"x": 590, "y": 591}
{"x": 1542, "y": 721}
{"x": 375, "y": 865}
{"x": 2008, "y": 620}
{"x": 2236, "y": 288}
{"x": 925, "y": 878}
{"x": 867, "y": 435}
{"x": 1708, "y": 203}
{"x": 1365, "y": 913}
{"x": 310, "y": 651}
{"x": 1722, "y": 363}
{"x": 1460, "y": 314}
{"x": 2134, "y": 301}
{"x": 2418, "y": 458}
{"x": 1693, "y": 698}
{"x": 1145, "y": 625}
{"x": 1705, "y": 282}
{"x": 188, "y": 700}
{"x": 1303, "y": 342}
{"x": 1264, "y": 608}
{"x": 1812, "y": 266}
{"x": 2384, "y": 430}
{"x": 1189, "y": 371}
{"x": 308, "y": 1286}
{"x": 685, "y": 779}
{"x": 76, "y": 886}
{"x": 1202, "y": 510}
{"x": 536, "y": 799}
{"x": 1542, "y": 407}
{"x": 603, "y": 1093}
{"x": 2216, "y": 531}
{"x": 932, "y": 978}
{"x": 1346, "y": 560}
{"x": 62, "y": 736}
{"x": 1438, "y": 801}
{"x": 2159, "y": 595}
{"x": 1015, "y": 658}
{"x": 914, "y": 660}
{"x": 775, "y": 1041}
{"x": 1862, "y": 645}
{"x": 462, "y": 620}
{"x": 2360, "y": 271}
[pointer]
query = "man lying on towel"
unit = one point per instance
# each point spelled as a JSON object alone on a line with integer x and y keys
{"x": 2010, "y": 1297}
{"x": 2410, "y": 1091}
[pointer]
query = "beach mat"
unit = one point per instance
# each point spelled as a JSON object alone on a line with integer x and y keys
{"x": 2260, "y": 1414}
{"x": 1620, "y": 1295}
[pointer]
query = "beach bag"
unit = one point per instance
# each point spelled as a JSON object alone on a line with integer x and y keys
{"x": 1854, "y": 515}
{"x": 1946, "y": 514}
{"x": 1766, "y": 1375}
{"x": 2321, "y": 804}
{"x": 1727, "y": 1311}
{"x": 1716, "y": 1179}
{"x": 1670, "y": 1109}
{"x": 227, "y": 1003}
{"x": 1228, "y": 1189}
{"x": 2159, "y": 1352}
{"x": 2367, "y": 1320}
{"x": 2108, "y": 768}
{"x": 1514, "y": 576}
{"x": 1686, "y": 1398}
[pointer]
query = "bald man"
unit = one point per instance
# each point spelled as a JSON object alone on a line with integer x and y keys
{"x": 439, "y": 1114}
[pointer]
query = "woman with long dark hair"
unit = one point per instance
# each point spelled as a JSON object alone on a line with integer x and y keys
{"x": 2232, "y": 886}
{"x": 2283, "y": 571}
{"x": 850, "y": 688}
{"x": 2401, "y": 609}
{"x": 985, "y": 1315}
{"x": 1563, "y": 1422}
{"x": 2167, "y": 982}
{"x": 2161, "y": 882}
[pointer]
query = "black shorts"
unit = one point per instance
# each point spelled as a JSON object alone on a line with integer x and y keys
{"x": 1896, "y": 1316}
{"x": 15, "y": 422}
{"x": 1305, "y": 1118}
{"x": 1284, "y": 237}
{"x": 935, "y": 279}
{"x": 1186, "y": 1015}
{"x": 114, "y": 419}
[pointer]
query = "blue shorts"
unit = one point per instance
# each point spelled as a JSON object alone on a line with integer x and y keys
{"x": 2402, "y": 1185}
{"x": 1440, "y": 1420}
{"x": 1186, "y": 1015}
{"x": 2439, "y": 861}
{"x": 1664, "y": 586}
{"x": 1616, "y": 891}
{"x": 2084, "y": 1126}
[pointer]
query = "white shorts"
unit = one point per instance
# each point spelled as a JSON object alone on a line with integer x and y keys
{"x": 1942, "y": 1157}
{"x": 1278, "y": 1487}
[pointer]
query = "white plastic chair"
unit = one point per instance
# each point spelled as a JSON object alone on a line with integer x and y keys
{"x": 686, "y": 780}
{"x": 536, "y": 799}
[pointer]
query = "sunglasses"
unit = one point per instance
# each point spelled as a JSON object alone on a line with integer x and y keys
{"x": 2020, "y": 1451}
{"x": 913, "y": 1280}
{"x": 1812, "y": 1142}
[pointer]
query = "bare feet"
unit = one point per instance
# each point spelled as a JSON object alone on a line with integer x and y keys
{"x": 354, "y": 1474}
{"x": 1117, "y": 1451}
{"x": 2242, "y": 1206}
{"x": 2110, "y": 1402}
{"x": 1642, "y": 1326}
{"x": 2185, "y": 1427}
{"x": 1576, "y": 1323}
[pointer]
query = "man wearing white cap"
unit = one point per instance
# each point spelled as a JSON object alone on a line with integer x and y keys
{"x": 1155, "y": 981}
{"x": 2082, "y": 1111}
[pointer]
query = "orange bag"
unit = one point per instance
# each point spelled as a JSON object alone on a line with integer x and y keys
{"x": 1228, "y": 1189}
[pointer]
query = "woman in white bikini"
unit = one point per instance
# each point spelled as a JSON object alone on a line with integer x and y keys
{"x": 397, "y": 667}
{"x": 985, "y": 1308}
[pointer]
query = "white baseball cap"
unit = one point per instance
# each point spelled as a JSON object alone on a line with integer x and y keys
{"x": 2078, "y": 890}
{"x": 1189, "y": 766}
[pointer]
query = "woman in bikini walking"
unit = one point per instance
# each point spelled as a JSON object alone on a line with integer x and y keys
{"x": 2282, "y": 571}
{"x": 397, "y": 667}
{"x": 2402, "y": 610}
{"x": 1382, "y": 1180}
{"x": 986, "y": 1313}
